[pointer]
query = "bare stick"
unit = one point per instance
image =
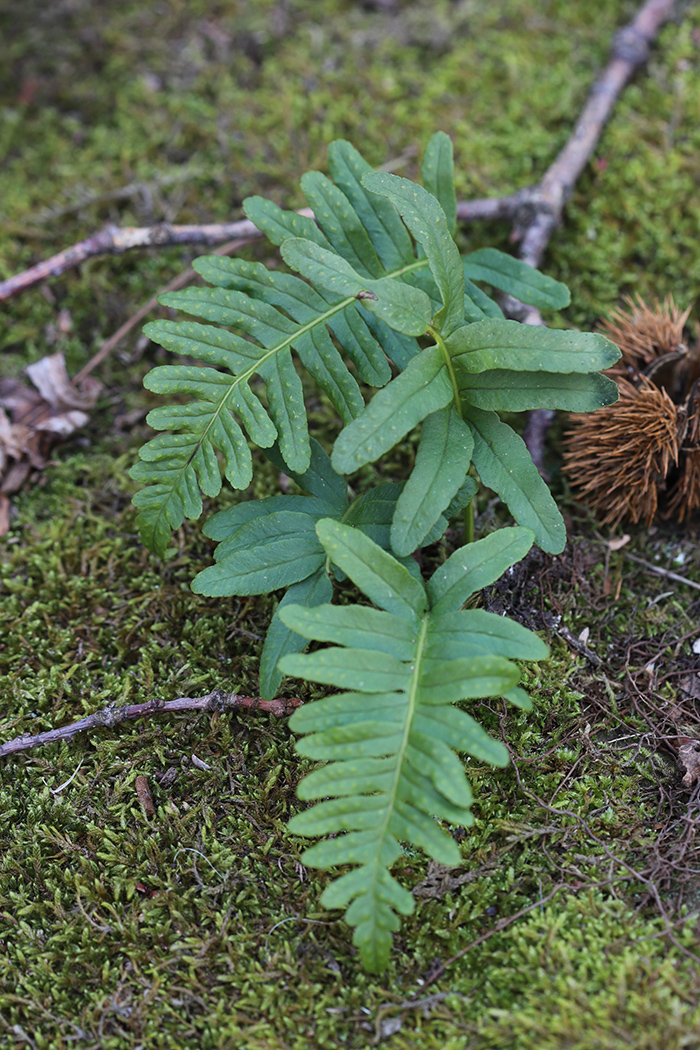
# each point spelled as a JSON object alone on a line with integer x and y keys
{"x": 114, "y": 240}
{"x": 630, "y": 50}
{"x": 541, "y": 206}
{"x": 112, "y": 716}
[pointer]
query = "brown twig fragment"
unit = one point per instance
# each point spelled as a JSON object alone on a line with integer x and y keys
{"x": 658, "y": 571}
{"x": 114, "y": 240}
{"x": 539, "y": 209}
{"x": 111, "y": 716}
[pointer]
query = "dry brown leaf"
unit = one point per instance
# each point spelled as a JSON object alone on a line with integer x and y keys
{"x": 144, "y": 793}
{"x": 689, "y": 758}
{"x": 33, "y": 420}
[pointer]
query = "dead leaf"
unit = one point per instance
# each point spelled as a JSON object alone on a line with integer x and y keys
{"x": 689, "y": 758}
{"x": 145, "y": 798}
{"x": 690, "y": 684}
{"x": 33, "y": 420}
{"x": 618, "y": 543}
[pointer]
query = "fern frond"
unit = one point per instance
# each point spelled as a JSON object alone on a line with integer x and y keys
{"x": 380, "y": 268}
{"x": 355, "y": 296}
{"x": 388, "y": 740}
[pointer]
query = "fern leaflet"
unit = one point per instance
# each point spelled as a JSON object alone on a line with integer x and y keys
{"x": 387, "y": 741}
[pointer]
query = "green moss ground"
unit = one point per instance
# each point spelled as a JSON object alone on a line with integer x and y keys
{"x": 198, "y": 926}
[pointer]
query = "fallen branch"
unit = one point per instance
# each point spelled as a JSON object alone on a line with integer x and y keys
{"x": 540, "y": 208}
{"x": 109, "y": 717}
{"x": 536, "y": 210}
{"x": 115, "y": 240}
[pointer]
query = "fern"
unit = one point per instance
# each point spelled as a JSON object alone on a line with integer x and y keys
{"x": 488, "y": 364}
{"x": 388, "y": 742}
{"x": 380, "y": 296}
{"x": 380, "y": 268}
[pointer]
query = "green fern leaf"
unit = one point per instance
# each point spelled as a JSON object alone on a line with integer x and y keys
{"x": 429, "y": 225}
{"x": 505, "y": 465}
{"x": 387, "y": 233}
{"x": 478, "y": 305}
{"x": 506, "y": 390}
{"x": 491, "y": 344}
{"x": 437, "y": 172}
{"x": 268, "y": 544}
{"x": 278, "y": 224}
{"x": 421, "y": 389}
{"x": 316, "y": 589}
{"x": 388, "y": 742}
{"x": 516, "y": 278}
{"x": 442, "y": 462}
{"x": 341, "y": 224}
{"x": 405, "y": 308}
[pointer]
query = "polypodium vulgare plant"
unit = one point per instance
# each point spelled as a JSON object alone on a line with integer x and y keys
{"x": 383, "y": 297}
{"x": 642, "y": 454}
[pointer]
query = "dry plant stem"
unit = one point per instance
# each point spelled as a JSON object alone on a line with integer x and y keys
{"x": 111, "y": 716}
{"x": 540, "y": 207}
{"x": 113, "y": 240}
{"x": 546, "y": 201}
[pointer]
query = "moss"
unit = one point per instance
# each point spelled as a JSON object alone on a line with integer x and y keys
{"x": 199, "y": 924}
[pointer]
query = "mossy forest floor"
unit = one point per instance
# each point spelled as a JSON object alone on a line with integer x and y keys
{"x": 198, "y": 926}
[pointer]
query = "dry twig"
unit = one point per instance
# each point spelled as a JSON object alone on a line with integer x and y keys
{"x": 111, "y": 716}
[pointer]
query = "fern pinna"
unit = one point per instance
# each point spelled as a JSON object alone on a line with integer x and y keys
{"x": 388, "y": 743}
{"x": 380, "y": 297}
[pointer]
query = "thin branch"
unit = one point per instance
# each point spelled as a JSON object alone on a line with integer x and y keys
{"x": 111, "y": 716}
{"x": 115, "y": 240}
{"x": 662, "y": 572}
{"x": 543, "y": 205}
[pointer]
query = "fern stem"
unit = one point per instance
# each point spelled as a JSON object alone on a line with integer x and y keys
{"x": 448, "y": 361}
{"x": 469, "y": 522}
{"x": 403, "y": 747}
